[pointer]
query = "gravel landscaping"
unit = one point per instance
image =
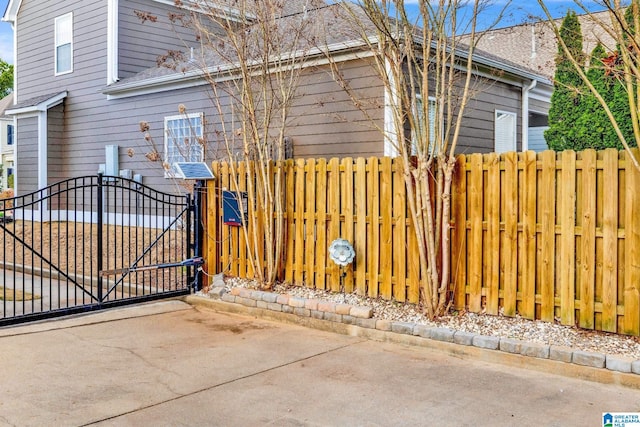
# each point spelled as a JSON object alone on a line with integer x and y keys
{"x": 536, "y": 332}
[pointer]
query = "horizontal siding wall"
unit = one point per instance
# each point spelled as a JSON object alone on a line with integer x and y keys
{"x": 140, "y": 44}
{"x": 35, "y": 55}
{"x": 324, "y": 121}
{"x": 56, "y": 147}
{"x": 27, "y": 155}
{"x": 477, "y": 132}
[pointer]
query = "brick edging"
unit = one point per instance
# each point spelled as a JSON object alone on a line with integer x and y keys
{"x": 361, "y": 316}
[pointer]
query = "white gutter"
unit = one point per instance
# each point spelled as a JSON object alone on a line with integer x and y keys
{"x": 525, "y": 113}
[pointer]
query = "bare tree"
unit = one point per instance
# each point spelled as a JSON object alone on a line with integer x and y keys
{"x": 427, "y": 72}
{"x": 252, "y": 54}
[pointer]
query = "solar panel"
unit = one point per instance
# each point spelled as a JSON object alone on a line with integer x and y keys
{"x": 193, "y": 170}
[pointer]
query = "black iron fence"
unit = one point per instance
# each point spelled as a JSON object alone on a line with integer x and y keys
{"x": 92, "y": 242}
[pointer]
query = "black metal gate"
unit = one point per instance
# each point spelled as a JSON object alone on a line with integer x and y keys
{"x": 92, "y": 242}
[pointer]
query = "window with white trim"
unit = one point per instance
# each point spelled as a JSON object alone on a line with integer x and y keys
{"x": 64, "y": 44}
{"x": 183, "y": 138}
{"x": 505, "y": 131}
{"x": 419, "y": 110}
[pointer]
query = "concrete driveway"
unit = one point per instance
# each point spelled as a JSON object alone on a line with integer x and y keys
{"x": 171, "y": 364}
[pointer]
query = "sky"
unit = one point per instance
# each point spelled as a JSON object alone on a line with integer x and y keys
{"x": 519, "y": 11}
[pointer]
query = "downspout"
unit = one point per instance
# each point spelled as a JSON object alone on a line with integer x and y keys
{"x": 14, "y": 27}
{"x": 390, "y": 104}
{"x": 525, "y": 113}
{"x": 112, "y": 42}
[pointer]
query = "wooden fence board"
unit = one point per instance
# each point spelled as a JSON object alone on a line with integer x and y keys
{"x": 399, "y": 232}
{"x": 360, "y": 246}
{"x": 298, "y": 276}
{"x": 568, "y": 239}
{"x": 493, "y": 233}
{"x": 475, "y": 236}
{"x": 610, "y": 241}
{"x": 334, "y": 219}
{"x": 238, "y": 232}
{"x": 347, "y": 204}
{"x": 226, "y": 235}
{"x": 548, "y": 236}
{"x": 374, "y": 223}
{"x": 588, "y": 241}
{"x": 386, "y": 216}
{"x": 310, "y": 224}
{"x": 529, "y": 236}
{"x": 459, "y": 234}
{"x": 632, "y": 249}
{"x": 510, "y": 195}
{"x": 290, "y": 222}
{"x": 321, "y": 240}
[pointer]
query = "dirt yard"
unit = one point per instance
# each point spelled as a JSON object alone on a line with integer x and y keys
{"x": 73, "y": 247}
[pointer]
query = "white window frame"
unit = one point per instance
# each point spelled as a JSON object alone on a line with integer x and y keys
{"x": 172, "y": 135}
{"x": 58, "y": 33}
{"x": 497, "y": 133}
{"x": 432, "y": 122}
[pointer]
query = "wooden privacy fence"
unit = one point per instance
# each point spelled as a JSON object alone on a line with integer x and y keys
{"x": 361, "y": 200}
{"x": 547, "y": 236}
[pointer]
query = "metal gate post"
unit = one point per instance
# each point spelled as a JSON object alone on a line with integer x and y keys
{"x": 99, "y": 243}
{"x": 189, "y": 242}
{"x": 199, "y": 232}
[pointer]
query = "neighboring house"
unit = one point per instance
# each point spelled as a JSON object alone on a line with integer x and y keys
{"x": 83, "y": 84}
{"x": 534, "y": 46}
{"x": 7, "y": 145}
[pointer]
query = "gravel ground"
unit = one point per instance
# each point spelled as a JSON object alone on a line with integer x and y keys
{"x": 483, "y": 324}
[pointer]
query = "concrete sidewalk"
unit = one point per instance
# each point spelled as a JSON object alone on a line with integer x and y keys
{"x": 168, "y": 363}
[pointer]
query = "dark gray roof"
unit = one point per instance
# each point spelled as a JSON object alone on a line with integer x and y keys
{"x": 32, "y": 102}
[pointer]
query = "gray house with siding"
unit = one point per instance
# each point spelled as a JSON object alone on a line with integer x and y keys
{"x": 86, "y": 75}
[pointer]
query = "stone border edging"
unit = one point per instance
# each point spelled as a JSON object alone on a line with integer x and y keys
{"x": 343, "y": 317}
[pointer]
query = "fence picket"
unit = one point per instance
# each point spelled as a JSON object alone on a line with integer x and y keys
{"x": 493, "y": 233}
{"x": 475, "y": 236}
{"x": 299, "y": 223}
{"x": 588, "y": 240}
{"x": 386, "y": 216}
{"x": 631, "y": 322}
{"x": 360, "y": 187}
{"x": 548, "y": 236}
{"x": 334, "y": 220}
{"x": 347, "y": 210}
{"x": 529, "y": 236}
{"x": 290, "y": 224}
{"x": 310, "y": 224}
{"x": 374, "y": 226}
{"x": 510, "y": 195}
{"x": 610, "y": 241}
{"x": 568, "y": 238}
{"x": 399, "y": 232}
{"x": 459, "y": 233}
{"x": 321, "y": 240}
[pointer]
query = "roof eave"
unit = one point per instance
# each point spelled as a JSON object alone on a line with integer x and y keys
{"x": 11, "y": 12}
{"x": 40, "y": 107}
